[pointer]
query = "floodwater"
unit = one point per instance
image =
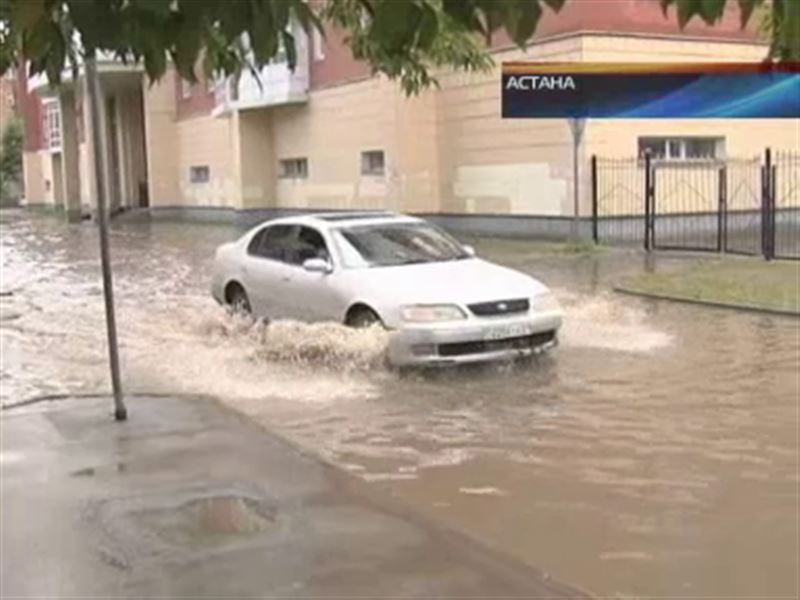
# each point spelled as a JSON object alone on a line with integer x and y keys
{"x": 654, "y": 453}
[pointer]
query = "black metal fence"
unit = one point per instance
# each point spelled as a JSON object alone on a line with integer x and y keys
{"x": 744, "y": 206}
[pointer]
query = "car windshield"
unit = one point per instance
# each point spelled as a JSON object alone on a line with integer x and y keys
{"x": 393, "y": 244}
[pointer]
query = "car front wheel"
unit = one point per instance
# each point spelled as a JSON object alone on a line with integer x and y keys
{"x": 362, "y": 317}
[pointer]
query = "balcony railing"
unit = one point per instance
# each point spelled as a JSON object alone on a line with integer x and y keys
{"x": 275, "y": 84}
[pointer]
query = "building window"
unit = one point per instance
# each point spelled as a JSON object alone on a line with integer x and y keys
{"x": 319, "y": 45}
{"x": 52, "y": 124}
{"x": 373, "y": 162}
{"x": 199, "y": 174}
{"x": 682, "y": 148}
{"x": 294, "y": 168}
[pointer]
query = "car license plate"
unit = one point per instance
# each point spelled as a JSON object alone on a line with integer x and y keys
{"x": 508, "y": 331}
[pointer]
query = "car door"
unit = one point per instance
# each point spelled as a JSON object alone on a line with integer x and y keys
{"x": 312, "y": 296}
{"x": 267, "y": 271}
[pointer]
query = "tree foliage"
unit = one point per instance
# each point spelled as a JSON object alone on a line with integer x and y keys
{"x": 10, "y": 158}
{"x": 401, "y": 38}
{"x": 404, "y": 39}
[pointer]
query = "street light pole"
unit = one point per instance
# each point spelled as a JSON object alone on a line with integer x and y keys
{"x": 95, "y": 97}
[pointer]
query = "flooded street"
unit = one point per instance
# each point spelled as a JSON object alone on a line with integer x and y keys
{"x": 654, "y": 453}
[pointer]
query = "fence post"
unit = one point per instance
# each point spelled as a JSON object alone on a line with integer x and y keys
{"x": 772, "y": 210}
{"x": 766, "y": 193}
{"x": 595, "y": 236}
{"x": 647, "y": 201}
{"x": 722, "y": 210}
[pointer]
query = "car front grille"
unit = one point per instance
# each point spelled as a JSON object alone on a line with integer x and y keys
{"x": 524, "y": 342}
{"x": 500, "y": 307}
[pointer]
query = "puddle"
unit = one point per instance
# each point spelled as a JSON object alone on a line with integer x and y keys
{"x": 642, "y": 433}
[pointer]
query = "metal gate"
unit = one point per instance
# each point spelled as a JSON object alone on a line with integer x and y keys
{"x": 742, "y": 209}
{"x": 786, "y": 205}
{"x": 686, "y": 206}
{"x": 738, "y": 205}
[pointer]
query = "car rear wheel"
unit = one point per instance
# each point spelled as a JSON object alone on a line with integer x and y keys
{"x": 238, "y": 302}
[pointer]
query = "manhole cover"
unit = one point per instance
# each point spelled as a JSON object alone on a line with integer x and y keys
{"x": 213, "y": 518}
{"x": 185, "y": 523}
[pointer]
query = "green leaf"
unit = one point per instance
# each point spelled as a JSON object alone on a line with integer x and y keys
{"x": 746, "y": 8}
{"x": 555, "y": 5}
{"x": 155, "y": 64}
{"x": 290, "y": 47}
{"x": 712, "y": 10}
{"x": 686, "y": 10}
{"x": 187, "y": 50}
{"x": 263, "y": 37}
{"x": 26, "y": 13}
{"x": 160, "y": 8}
{"x": 428, "y": 27}
{"x": 787, "y": 41}
{"x": 526, "y": 19}
{"x": 395, "y": 23}
{"x": 56, "y": 54}
{"x": 465, "y": 13}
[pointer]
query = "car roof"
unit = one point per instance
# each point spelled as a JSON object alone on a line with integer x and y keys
{"x": 330, "y": 220}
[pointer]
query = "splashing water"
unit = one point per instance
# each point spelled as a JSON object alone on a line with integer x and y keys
{"x": 605, "y": 322}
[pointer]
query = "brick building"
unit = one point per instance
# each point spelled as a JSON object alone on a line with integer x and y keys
{"x": 330, "y": 135}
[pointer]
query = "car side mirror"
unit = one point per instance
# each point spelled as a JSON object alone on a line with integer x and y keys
{"x": 469, "y": 250}
{"x": 317, "y": 265}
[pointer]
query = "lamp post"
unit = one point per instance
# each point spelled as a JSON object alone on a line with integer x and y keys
{"x": 95, "y": 97}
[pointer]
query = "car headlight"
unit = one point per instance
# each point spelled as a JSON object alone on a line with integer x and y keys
{"x": 545, "y": 302}
{"x": 432, "y": 313}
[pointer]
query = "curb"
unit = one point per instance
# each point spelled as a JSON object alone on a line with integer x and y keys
{"x": 708, "y": 303}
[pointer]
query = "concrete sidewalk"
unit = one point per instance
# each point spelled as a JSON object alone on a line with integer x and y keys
{"x": 190, "y": 499}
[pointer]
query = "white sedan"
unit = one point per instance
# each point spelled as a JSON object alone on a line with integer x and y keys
{"x": 442, "y": 304}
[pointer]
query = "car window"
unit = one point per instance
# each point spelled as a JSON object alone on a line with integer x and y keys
{"x": 309, "y": 244}
{"x": 385, "y": 245}
{"x": 275, "y": 242}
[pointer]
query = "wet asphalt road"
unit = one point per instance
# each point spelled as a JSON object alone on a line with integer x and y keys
{"x": 655, "y": 453}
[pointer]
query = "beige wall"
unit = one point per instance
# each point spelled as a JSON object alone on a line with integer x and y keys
{"x": 254, "y": 166}
{"x": 35, "y": 174}
{"x": 493, "y": 165}
{"x": 331, "y": 131}
{"x": 206, "y": 141}
{"x": 161, "y": 143}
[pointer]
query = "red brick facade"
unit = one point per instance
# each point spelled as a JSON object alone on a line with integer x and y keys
{"x": 30, "y": 109}
{"x": 193, "y": 100}
{"x": 338, "y": 66}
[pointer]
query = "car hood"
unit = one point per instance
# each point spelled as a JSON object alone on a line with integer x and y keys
{"x": 461, "y": 281}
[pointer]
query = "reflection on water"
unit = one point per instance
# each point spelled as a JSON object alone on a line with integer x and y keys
{"x": 654, "y": 453}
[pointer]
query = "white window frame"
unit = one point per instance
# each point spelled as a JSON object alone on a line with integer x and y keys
{"x": 52, "y": 124}
{"x": 675, "y": 147}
